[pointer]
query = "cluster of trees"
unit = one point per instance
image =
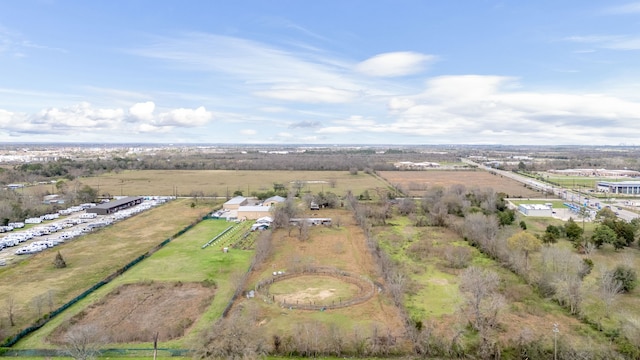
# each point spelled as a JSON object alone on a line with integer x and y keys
{"x": 481, "y": 217}
{"x": 15, "y": 205}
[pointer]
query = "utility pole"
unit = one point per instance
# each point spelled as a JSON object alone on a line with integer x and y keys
{"x": 555, "y": 341}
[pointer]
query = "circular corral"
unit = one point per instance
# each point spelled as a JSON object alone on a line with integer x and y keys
{"x": 321, "y": 288}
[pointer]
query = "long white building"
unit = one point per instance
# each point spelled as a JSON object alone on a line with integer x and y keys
{"x": 622, "y": 187}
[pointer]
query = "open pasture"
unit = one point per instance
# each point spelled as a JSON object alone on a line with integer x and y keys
{"x": 182, "y": 261}
{"x": 35, "y": 287}
{"x": 343, "y": 248}
{"x": 434, "y": 296}
{"x": 418, "y": 182}
{"x": 225, "y": 182}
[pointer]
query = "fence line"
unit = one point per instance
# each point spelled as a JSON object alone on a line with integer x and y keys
{"x": 47, "y": 317}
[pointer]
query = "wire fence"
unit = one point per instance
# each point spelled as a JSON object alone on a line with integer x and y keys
{"x": 139, "y": 353}
{"x": 367, "y": 289}
{"x": 12, "y": 340}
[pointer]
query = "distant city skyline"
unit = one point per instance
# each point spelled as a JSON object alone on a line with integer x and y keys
{"x": 308, "y": 72}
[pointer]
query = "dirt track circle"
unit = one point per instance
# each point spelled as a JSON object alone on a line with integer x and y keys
{"x": 318, "y": 289}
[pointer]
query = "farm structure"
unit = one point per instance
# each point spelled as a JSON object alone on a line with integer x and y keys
{"x": 116, "y": 205}
{"x": 535, "y": 209}
{"x": 243, "y": 208}
{"x": 253, "y": 212}
{"x": 235, "y": 203}
{"x": 311, "y": 221}
{"x": 274, "y": 200}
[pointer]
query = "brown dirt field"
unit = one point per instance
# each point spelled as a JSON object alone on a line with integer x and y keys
{"x": 134, "y": 312}
{"x": 221, "y": 182}
{"x": 339, "y": 247}
{"x": 417, "y": 182}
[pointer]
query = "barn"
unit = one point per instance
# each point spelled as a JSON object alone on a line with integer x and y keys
{"x": 115, "y": 205}
{"x": 235, "y": 203}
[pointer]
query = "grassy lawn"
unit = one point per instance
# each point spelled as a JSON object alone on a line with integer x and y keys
{"x": 556, "y": 204}
{"x": 181, "y": 260}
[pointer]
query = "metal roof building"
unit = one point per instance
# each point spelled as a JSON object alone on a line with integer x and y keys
{"x": 115, "y": 205}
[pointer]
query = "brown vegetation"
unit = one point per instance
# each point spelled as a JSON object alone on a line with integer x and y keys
{"x": 416, "y": 183}
{"x": 135, "y": 312}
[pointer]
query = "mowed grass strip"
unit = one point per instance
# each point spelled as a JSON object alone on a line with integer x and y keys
{"x": 224, "y": 182}
{"x": 183, "y": 260}
{"x": 91, "y": 258}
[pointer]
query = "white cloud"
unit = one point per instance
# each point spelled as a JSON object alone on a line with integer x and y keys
{"x": 613, "y": 42}
{"x": 630, "y": 8}
{"x": 248, "y": 132}
{"x": 395, "y": 64}
{"x": 323, "y": 94}
{"x": 339, "y": 130}
{"x": 82, "y": 115}
{"x": 142, "y": 111}
{"x": 255, "y": 63}
{"x": 185, "y": 117}
{"x": 494, "y": 108}
{"x": 84, "y": 121}
{"x": 6, "y": 117}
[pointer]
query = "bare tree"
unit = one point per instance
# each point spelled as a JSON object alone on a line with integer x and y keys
{"x": 51, "y": 299}
{"x": 608, "y": 288}
{"x": 303, "y": 230}
{"x": 569, "y": 292}
{"x": 263, "y": 247}
{"x": 83, "y": 342}
{"x": 480, "y": 286}
{"x": 407, "y": 206}
{"x": 458, "y": 257}
{"x": 298, "y": 185}
{"x": 231, "y": 338}
{"x": 38, "y": 303}
{"x": 10, "y": 308}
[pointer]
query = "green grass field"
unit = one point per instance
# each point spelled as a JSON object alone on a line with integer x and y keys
{"x": 556, "y": 204}
{"x": 181, "y": 260}
{"x": 90, "y": 258}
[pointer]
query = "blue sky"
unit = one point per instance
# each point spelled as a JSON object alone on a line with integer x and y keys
{"x": 320, "y": 72}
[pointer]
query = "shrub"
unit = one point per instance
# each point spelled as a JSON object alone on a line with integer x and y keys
{"x": 626, "y": 276}
{"x": 59, "y": 262}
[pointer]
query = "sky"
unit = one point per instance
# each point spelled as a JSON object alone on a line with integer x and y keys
{"x": 511, "y": 72}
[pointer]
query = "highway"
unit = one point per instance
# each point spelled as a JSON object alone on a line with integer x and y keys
{"x": 620, "y": 207}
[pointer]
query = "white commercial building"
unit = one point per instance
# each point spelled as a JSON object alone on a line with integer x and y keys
{"x": 535, "y": 209}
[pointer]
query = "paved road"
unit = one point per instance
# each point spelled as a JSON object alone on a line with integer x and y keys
{"x": 617, "y": 206}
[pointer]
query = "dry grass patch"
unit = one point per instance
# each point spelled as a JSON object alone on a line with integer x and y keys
{"x": 342, "y": 248}
{"x": 417, "y": 182}
{"x": 224, "y": 182}
{"x": 135, "y": 312}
